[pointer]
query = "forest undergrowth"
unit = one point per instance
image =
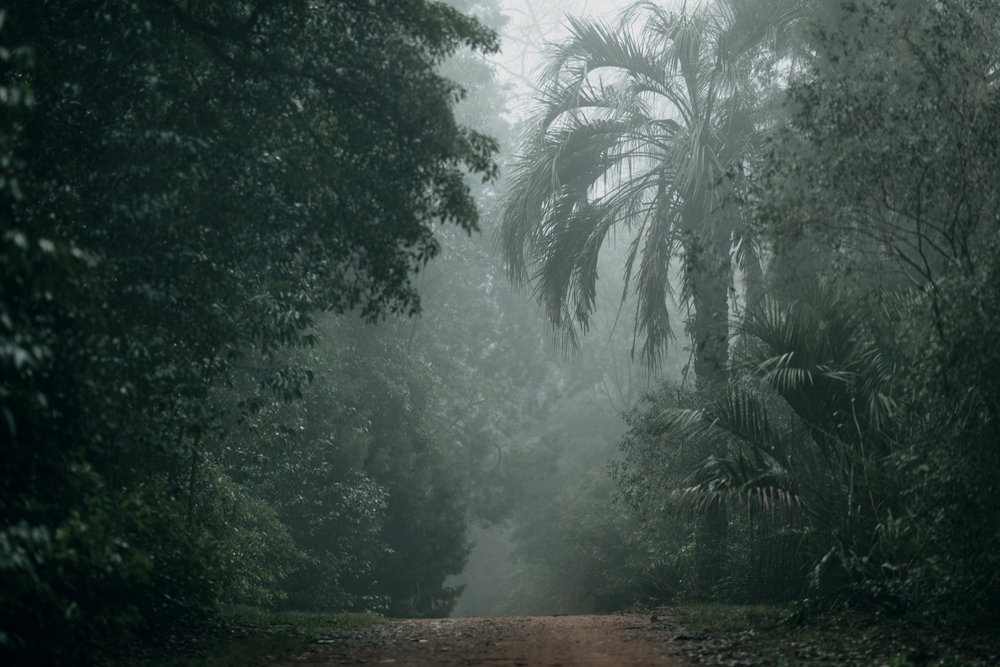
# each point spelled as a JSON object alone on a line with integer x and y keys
{"x": 244, "y": 637}
{"x": 721, "y": 634}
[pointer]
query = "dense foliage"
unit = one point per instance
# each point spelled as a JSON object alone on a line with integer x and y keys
{"x": 216, "y": 226}
{"x": 185, "y": 185}
{"x": 857, "y": 413}
{"x": 850, "y": 434}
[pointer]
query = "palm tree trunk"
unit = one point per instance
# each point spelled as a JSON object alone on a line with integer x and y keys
{"x": 709, "y": 329}
{"x": 709, "y": 332}
{"x": 710, "y": 277}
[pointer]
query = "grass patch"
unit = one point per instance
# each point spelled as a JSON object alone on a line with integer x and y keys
{"x": 787, "y": 635}
{"x": 249, "y": 637}
{"x": 302, "y": 623}
{"x": 715, "y": 618}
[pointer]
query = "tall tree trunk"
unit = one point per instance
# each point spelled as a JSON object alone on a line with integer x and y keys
{"x": 710, "y": 326}
{"x": 753, "y": 282}
{"x": 710, "y": 280}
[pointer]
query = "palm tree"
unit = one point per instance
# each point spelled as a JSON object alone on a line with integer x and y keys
{"x": 809, "y": 415}
{"x": 645, "y": 131}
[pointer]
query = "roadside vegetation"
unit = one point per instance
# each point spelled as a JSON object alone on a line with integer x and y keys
{"x": 299, "y": 315}
{"x": 820, "y": 191}
{"x": 246, "y": 636}
{"x": 787, "y": 635}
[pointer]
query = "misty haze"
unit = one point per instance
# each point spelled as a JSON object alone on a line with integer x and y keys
{"x": 511, "y": 332}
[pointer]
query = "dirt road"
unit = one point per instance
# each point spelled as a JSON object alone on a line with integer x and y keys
{"x": 546, "y": 641}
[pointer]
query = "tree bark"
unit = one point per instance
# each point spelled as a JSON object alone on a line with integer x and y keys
{"x": 710, "y": 280}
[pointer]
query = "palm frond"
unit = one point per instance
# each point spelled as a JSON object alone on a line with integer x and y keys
{"x": 817, "y": 354}
{"x": 637, "y": 126}
{"x": 744, "y": 25}
{"x": 760, "y": 484}
{"x": 742, "y": 414}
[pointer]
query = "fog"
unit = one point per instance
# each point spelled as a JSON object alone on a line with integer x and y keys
{"x": 494, "y": 308}
{"x": 531, "y": 28}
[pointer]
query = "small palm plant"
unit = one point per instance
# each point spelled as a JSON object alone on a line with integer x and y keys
{"x": 807, "y": 416}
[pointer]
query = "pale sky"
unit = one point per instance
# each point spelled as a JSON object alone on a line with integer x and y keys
{"x": 532, "y": 24}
